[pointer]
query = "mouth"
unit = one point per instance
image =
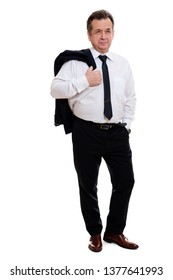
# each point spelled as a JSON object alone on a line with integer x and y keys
{"x": 103, "y": 43}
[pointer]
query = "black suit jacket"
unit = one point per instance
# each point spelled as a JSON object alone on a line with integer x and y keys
{"x": 63, "y": 114}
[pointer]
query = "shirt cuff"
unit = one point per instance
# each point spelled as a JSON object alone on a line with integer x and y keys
{"x": 128, "y": 123}
{"x": 82, "y": 84}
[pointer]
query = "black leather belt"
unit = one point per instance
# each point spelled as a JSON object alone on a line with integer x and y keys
{"x": 103, "y": 126}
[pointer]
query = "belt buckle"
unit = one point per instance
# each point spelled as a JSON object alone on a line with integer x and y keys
{"x": 105, "y": 126}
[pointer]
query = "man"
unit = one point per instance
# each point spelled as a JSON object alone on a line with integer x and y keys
{"x": 101, "y": 127}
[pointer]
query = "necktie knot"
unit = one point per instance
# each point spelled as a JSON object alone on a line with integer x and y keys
{"x": 103, "y": 58}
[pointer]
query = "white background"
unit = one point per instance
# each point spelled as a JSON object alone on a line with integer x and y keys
{"x": 41, "y": 223}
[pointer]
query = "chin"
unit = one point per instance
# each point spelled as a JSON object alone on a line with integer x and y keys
{"x": 103, "y": 50}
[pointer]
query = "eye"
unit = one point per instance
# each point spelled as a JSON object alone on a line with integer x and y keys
{"x": 108, "y": 31}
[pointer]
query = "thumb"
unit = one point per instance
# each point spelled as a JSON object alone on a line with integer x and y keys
{"x": 90, "y": 69}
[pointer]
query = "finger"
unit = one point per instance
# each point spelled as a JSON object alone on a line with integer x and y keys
{"x": 90, "y": 69}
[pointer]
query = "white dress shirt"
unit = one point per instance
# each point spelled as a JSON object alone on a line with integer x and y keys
{"x": 88, "y": 102}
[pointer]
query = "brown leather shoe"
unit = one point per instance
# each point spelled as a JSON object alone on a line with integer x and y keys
{"x": 95, "y": 243}
{"x": 120, "y": 240}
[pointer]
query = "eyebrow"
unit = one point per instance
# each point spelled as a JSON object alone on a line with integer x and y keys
{"x": 98, "y": 29}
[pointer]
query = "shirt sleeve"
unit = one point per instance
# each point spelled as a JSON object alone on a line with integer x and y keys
{"x": 67, "y": 83}
{"x": 130, "y": 99}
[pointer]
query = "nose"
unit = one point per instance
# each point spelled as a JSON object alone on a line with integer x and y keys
{"x": 103, "y": 35}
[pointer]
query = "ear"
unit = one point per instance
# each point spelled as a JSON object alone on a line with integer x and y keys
{"x": 89, "y": 36}
{"x": 113, "y": 33}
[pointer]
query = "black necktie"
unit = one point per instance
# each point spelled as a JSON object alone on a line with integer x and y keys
{"x": 107, "y": 95}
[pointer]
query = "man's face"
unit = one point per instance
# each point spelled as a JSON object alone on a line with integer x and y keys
{"x": 101, "y": 35}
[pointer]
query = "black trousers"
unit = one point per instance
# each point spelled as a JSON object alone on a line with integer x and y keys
{"x": 90, "y": 145}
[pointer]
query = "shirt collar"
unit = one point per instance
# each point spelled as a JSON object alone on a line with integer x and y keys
{"x": 96, "y": 54}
